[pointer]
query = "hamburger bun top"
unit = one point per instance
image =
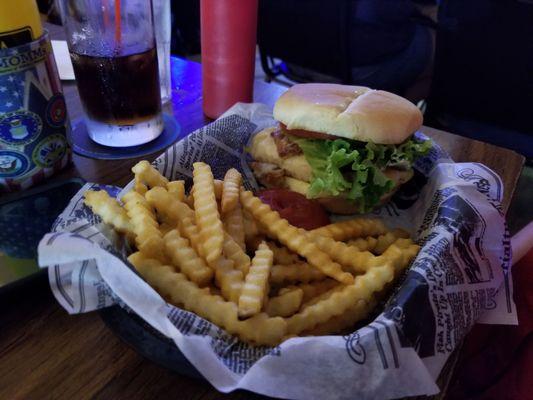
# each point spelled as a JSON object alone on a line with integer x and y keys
{"x": 352, "y": 112}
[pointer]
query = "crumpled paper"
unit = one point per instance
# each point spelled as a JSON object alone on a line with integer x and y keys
{"x": 461, "y": 275}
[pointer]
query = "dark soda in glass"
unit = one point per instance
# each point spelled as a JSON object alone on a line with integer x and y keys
{"x": 120, "y": 90}
{"x": 113, "y": 51}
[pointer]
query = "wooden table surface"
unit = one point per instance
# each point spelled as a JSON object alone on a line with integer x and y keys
{"x": 45, "y": 353}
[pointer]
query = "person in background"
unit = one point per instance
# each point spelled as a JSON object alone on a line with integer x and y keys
{"x": 392, "y": 45}
{"x": 383, "y": 44}
{"x": 483, "y": 78}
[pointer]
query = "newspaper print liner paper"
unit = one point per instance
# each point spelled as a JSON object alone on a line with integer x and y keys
{"x": 453, "y": 210}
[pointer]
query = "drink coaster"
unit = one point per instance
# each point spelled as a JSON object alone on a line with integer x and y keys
{"x": 83, "y": 145}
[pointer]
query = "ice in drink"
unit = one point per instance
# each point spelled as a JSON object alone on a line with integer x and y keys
{"x": 122, "y": 90}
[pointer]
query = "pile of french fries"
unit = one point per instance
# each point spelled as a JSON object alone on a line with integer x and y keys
{"x": 223, "y": 254}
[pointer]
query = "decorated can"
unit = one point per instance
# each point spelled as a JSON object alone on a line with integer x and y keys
{"x": 33, "y": 116}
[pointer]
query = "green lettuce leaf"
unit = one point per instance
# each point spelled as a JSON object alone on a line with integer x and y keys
{"x": 355, "y": 168}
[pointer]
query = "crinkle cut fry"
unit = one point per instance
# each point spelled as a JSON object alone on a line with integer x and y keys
{"x": 401, "y": 253}
{"x": 363, "y": 244}
{"x": 147, "y": 174}
{"x": 349, "y": 256}
{"x": 260, "y": 329}
{"x": 312, "y": 289}
{"x": 282, "y": 255}
{"x": 178, "y": 212}
{"x": 133, "y": 199}
{"x": 228, "y": 279}
{"x": 382, "y": 269}
{"x": 230, "y": 190}
{"x": 234, "y": 252}
{"x": 148, "y": 237}
{"x": 358, "y": 261}
{"x": 336, "y": 324}
{"x": 140, "y": 187}
{"x": 379, "y": 244}
{"x": 297, "y": 272}
{"x": 322, "y": 296}
{"x": 291, "y": 237}
{"x": 218, "y": 191}
{"x": 352, "y": 228}
{"x": 108, "y": 209}
{"x": 384, "y": 241}
{"x": 177, "y": 189}
{"x": 255, "y": 286}
{"x": 206, "y": 212}
{"x": 340, "y": 301}
{"x": 183, "y": 256}
{"x": 234, "y": 223}
{"x": 251, "y": 230}
{"x": 166, "y": 227}
{"x": 286, "y": 304}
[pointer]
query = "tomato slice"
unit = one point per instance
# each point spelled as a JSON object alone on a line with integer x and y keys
{"x": 295, "y": 208}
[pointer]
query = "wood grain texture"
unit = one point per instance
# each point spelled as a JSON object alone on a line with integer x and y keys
{"x": 506, "y": 163}
{"x": 46, "y": 353}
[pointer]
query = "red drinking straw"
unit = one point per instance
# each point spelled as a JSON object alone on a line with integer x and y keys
{"x": 106, "y": 13}
{"x": 117, "y": 23}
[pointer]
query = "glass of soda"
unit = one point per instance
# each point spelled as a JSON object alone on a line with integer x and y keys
{"x": 112, "y": 47}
